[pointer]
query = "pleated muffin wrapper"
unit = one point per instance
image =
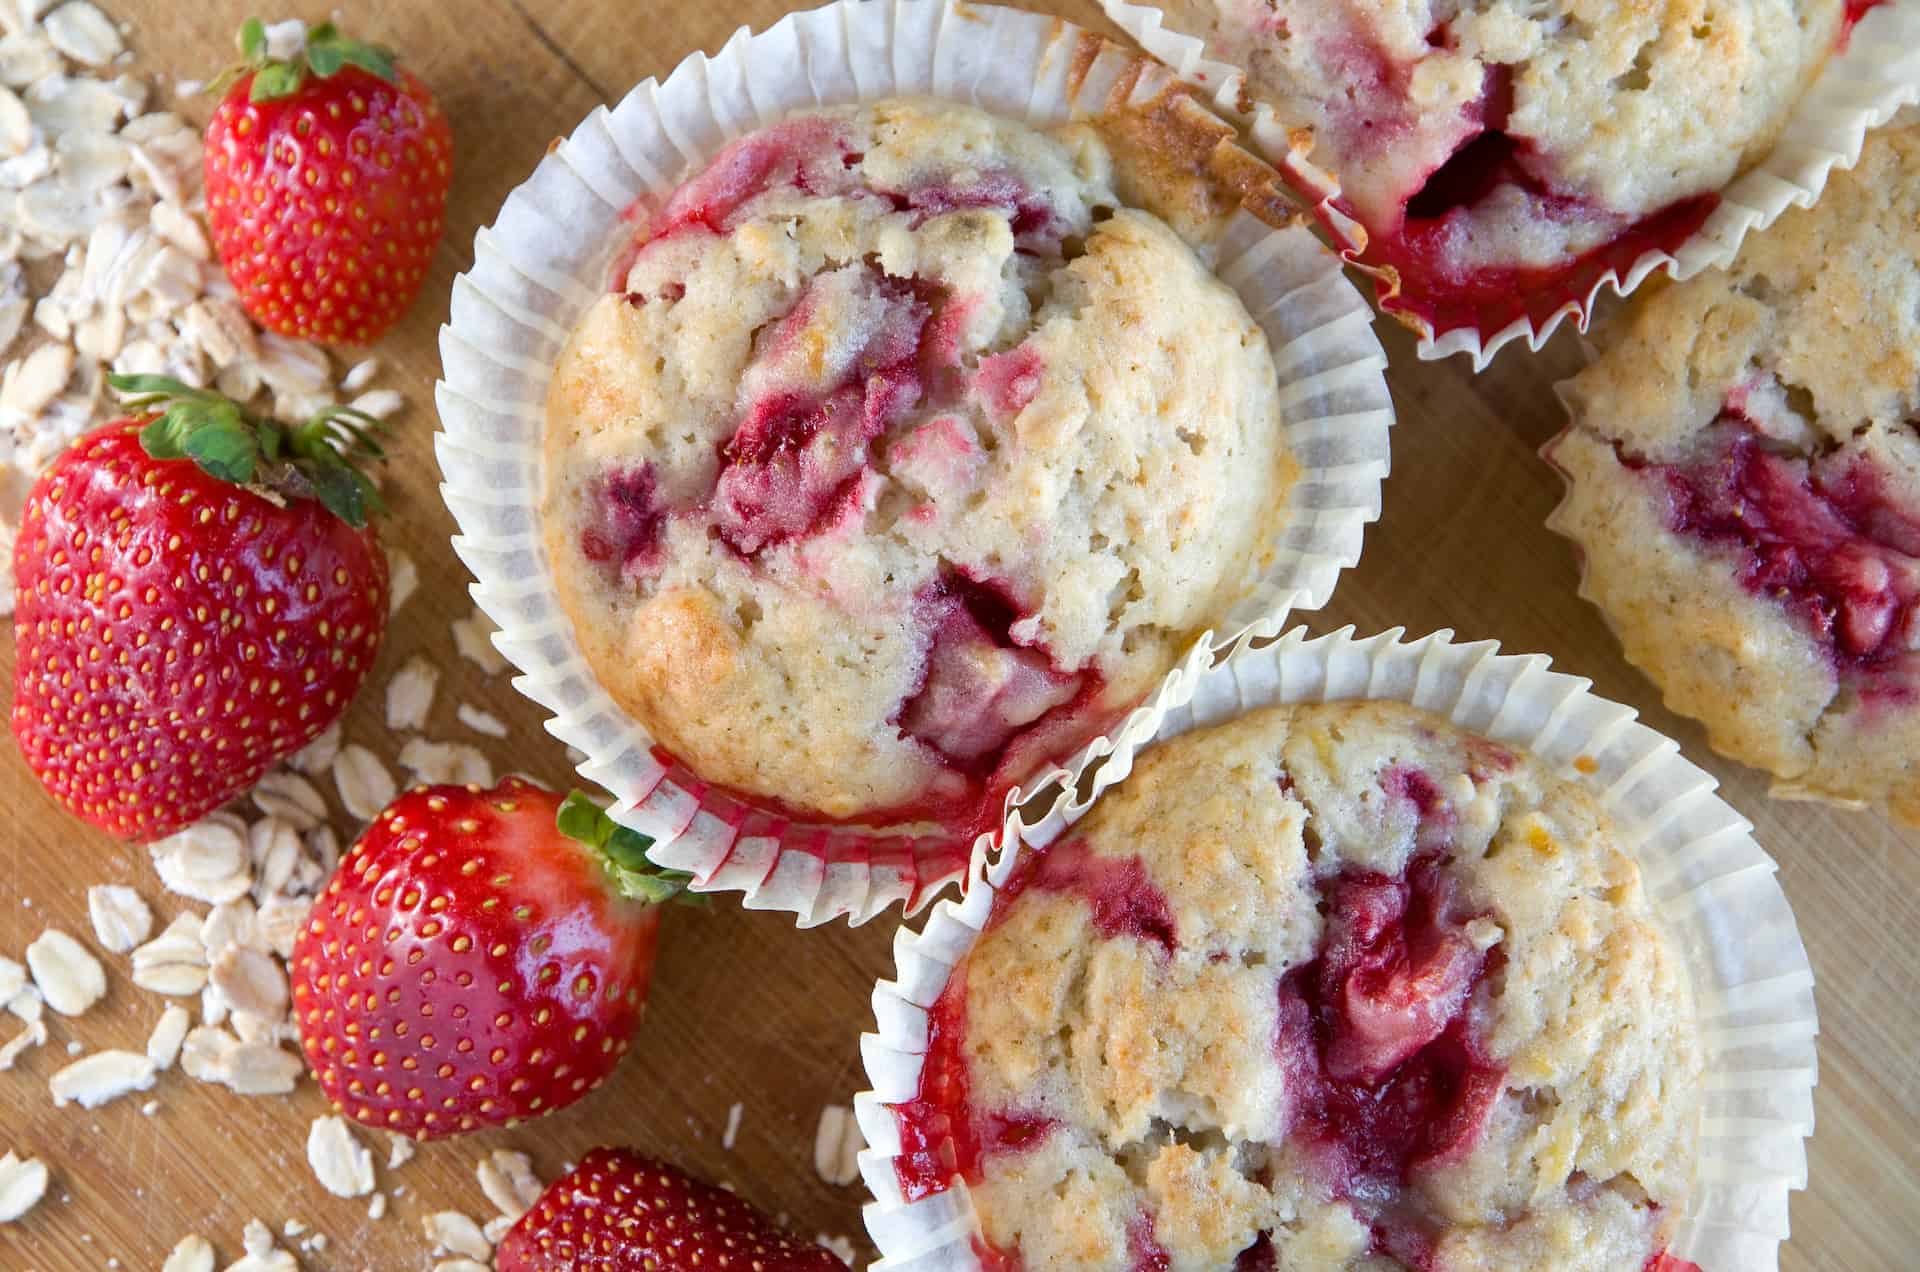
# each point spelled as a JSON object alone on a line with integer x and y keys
{"x": 1862, "y": 85}
{"x": 1711, "y": 885}
{"x": 550, "y": 253}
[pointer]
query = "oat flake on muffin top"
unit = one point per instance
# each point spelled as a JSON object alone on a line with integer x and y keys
{"x": 1744, "y": 486}
{"x": 1334, "y": 987}
{"x": 904, "y": 454}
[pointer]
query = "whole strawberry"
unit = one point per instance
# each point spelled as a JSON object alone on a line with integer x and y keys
{"x": 327, "y": 179}
{"x": 619, "y": 1211}
{"x": 479, "y": 957}
{"x": 197, "y": 594}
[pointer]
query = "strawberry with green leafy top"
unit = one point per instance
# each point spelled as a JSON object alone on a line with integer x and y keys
{"x": 326, "y": 179}
{"x": 621, "y": 1212}
{"x": 197, "y": 594}
{"x": 478, "y": 958}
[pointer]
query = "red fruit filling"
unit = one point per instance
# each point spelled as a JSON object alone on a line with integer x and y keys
{"x": 1146, "y": 1253}
{"x": 807, "y": 153}
{"x": 980, "y": 687}
{"x": 1123, "y": 899}
{"x": 1008, "y": 381}
{"x": 1665, "y": 1262}
{"x": 1823, "y": 538}
{"x": 1385, "y": 1073}
{"x": 631, "y": 523}
{"x": 1488, "y": 160}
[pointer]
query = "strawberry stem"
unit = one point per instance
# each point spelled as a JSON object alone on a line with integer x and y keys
{"x": 623, "y": 852}
{"x": 326, "y": 53}
{"x": 314, "y": 460}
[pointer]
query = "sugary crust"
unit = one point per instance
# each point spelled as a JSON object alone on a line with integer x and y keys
{"x": 1619, "y": 109}
{"x": 1814, "y": 336}
{"x": 781, "y": 669}
{"x": 1162, "y": 1070}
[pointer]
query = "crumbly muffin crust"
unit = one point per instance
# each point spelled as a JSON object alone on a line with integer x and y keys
{"x": 1326, "y": 987}
{"x": 1744, "y": 485}
{"x": 905, "y": 452}
{"x": 1498, "y": 135}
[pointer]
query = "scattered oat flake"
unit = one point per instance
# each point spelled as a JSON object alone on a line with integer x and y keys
{"x": 317, "y": 756}
{"x": 121, "y": 920}
{"x": 410, "y": 694}
{"x": 481, "y": 721}
{"x": 403, "y": 578}
{"x": 83, "y": 33}
{"x": 193, "y": 1254}
{"x": 261, "y": 1068}
{"x": 495, "y": 1230}
{"x": 339, "y": 1160}
{"x": 102, "y": 1076}
{"x": 454, "y": 1233}
{"x": 507, "y": 1179}
{"x": 205, "y": 862}
{"x": 70, "y": 979}
{"x": 262, "y": 1255}
{"x": 473, "y": 636}
{"x": 462, "y": 1265}
{"x": 377, "y": 1208}
{"x": 252, "y": 982}
{"x": 175, "y": 962}
{"x": 728, "y": 1136}
{"x": 840, "y": 1247}
{"x": 34, "y": 1035}
{"x": 22, "y": 1185}
{"x": 364, "y": 784}
{"x": 13, "y": 979}
{"x": 291, "y": 797}
{"x": 836, "y": 1146}
{"x": 163, "y": 1045}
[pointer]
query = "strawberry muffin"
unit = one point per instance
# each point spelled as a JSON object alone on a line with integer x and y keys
{"x": 906, "y": 453}
{"x": 1326, "y": 987}
{"x": 1744, "y": 487}
{"x": 1500, "y": 156}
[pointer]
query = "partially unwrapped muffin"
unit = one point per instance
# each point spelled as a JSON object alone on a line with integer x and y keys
{"x": 904, "y": 455}
{"x": 1326, "y": 987}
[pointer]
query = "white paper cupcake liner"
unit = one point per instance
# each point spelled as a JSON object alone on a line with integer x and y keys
{"x": 1712, "y": 885}
{"x": 1861, "y": 87}
{"x": 546, "y": 259}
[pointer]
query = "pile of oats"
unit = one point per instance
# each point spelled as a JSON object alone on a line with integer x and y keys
{"x": 105, "y": 265}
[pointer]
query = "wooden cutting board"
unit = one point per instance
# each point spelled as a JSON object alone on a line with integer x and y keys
{"x": 745, "y": 1008}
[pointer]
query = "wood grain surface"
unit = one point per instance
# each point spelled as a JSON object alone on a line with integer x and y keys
{"x": 745, "y": 1008}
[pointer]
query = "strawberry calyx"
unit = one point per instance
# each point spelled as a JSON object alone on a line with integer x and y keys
{"x": 326, "y": 52}
{"x": 623, "y": 853}
{"x": 318, "y": 459}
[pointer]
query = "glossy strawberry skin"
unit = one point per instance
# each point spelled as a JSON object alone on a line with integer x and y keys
{"x": 622, "y": 1212}
{"x": 175, "y": 634}
{"x": 466, "y": 968}
{"x": 327, "y": 205}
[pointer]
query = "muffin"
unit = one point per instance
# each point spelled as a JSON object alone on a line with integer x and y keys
{"x": 1325, "y": 987}
{"x": 1500, "y": 158}
{"x": 909, "y": 449}
{"x": 1744, "y": 487}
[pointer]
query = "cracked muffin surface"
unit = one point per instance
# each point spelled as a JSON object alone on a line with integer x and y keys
{"x": 1326, "y": 987}
{"x": 1503, "y": 155}
{"x": 1743, "y": 474}
{"x": 905, "y": 454}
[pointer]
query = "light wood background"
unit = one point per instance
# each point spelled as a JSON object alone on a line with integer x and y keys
{"x": 745, "y": 1008}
